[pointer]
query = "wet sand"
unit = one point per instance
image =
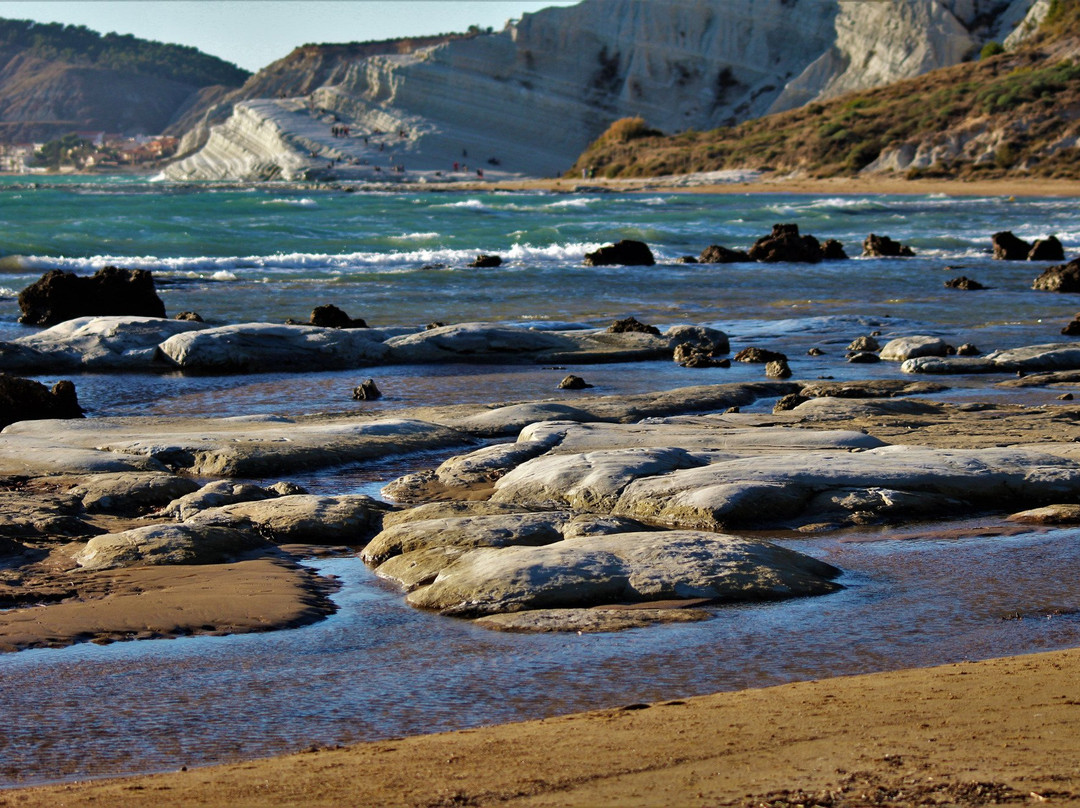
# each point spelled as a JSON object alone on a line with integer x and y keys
{"x": 158, "y": 602}
{"x": 999, "y": 731}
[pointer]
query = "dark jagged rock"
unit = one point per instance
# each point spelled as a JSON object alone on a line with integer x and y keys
{"x": 623, "y": 253}
{"x": 433, "y": 325}
{"x": 1047, "y": 249}
{"x": 863, "y": 358}
{"x": 876, "y": 246}
{"x": 1073, "y": 328}
{"x": 778, "y": 369}
{"x": 27, "y": 400}
{"x": 686, "y": 259}
{"x": 715, "y": 254}
{"x": 485, "y": 262}
{"x": 964, "y": 283}
{"x": 189, "y": 316}
{"x": 629, "y": 325}
{"x": 573, "y": 382}
{"x": 330, "y": 316}
{"x": 785, "y": 244}
{"x": 1008, "y": 247}
{"x": 815, "y": 352}
{"x": 833, "y": 250}
{"x": 861, "y": 344}
{"x": 789, "y": 402}
{"x": 1060, "y": 278}
{"x": 367, "y": 391}
{"x": 703, "y": 360}
{"x": 111, "y": 291}
{"x": 760, "y": 355}
{"x": 967, "y": 349}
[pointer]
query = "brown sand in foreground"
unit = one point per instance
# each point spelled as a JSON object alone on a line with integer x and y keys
{"x": 1004, "y": 188}
{"x": 1005, "y": 730}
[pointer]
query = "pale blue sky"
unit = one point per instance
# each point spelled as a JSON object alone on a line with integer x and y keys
{"x": 253, "y": 33}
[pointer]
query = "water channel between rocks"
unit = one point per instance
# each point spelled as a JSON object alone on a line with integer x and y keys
{"x": 379, "y": 669}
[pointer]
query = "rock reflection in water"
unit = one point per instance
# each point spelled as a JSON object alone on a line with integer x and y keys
{"x": 379, "y": 669}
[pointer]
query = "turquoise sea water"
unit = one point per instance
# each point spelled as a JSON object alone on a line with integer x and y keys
{"x": 378, "y": 668}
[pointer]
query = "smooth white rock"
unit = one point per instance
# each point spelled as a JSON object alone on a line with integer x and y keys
{"x": 904, "y": 348}
{"x": 253, "y": 347}
{"x": 622, "y": 568}
{"x": 94, "y": 343}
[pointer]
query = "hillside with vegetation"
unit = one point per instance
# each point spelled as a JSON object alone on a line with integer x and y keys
{"x": 58, "y": 78}
{"x": 1009, "y": 113}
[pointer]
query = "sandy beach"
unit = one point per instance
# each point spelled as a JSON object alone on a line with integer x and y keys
{"x": 735, "y": 182}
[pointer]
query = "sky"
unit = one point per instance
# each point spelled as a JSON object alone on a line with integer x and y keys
{"x": 253, "y": 33}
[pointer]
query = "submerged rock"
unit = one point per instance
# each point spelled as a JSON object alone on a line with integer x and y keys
{"x": 330, "y": 316}
{"x": 625, "y": 253}
{"x": 715, "y": 254}
{"x": 27, "y": 400}
{"x": 573, "y": 382}
{"x": 785, "y": 243}
{"x": 964, "y": 284}
{"x": 1046, "y": 249}
{"x": 1008, "y": 247}
{"x": 630, "y": 325}
{"x": 1060, "y": 278}
{"x": 876, "y": 246}
{"x": 588, "y": 621}
{"x": 485, "y": 262}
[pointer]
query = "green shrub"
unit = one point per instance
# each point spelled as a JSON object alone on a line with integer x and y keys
{"x": 991, "y": 49}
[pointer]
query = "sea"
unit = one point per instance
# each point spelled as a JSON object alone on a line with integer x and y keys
{"x": 394, "y": 257}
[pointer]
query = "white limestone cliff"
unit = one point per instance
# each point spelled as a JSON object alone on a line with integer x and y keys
{"x": 527, "y": 100}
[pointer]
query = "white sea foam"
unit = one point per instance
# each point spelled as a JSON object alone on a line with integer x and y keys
{"x": 470, "y": 204}
{"x": 197, "y": 266}
{"x": 304, "y": 202}
{"x": 224, "y": 275}
{"x": 414, "y": 236}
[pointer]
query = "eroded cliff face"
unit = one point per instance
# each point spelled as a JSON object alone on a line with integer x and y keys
{"x": 531, "y": 97}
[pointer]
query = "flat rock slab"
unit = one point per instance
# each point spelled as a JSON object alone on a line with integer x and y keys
{"x": 254, "y": 347}
{"x": 588, "y": 621}
{"x": 93, "y": 343}
{"x": 622, "y": 568}
{"x": 487, "y": 342}
{"x": 891, "y": 483}
{"x": 166, "y": 544}
{"x": 466, "y": 532}
{"x": 509, "y": 419}
{"x": 258, "y": 446}
{"x": 1066, "y": 514}
{"x": 130, "y": 491}
{"x": 38, "y": 515}
{"x": 349, "y": 519}
{"x": 1031, "y": 358}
